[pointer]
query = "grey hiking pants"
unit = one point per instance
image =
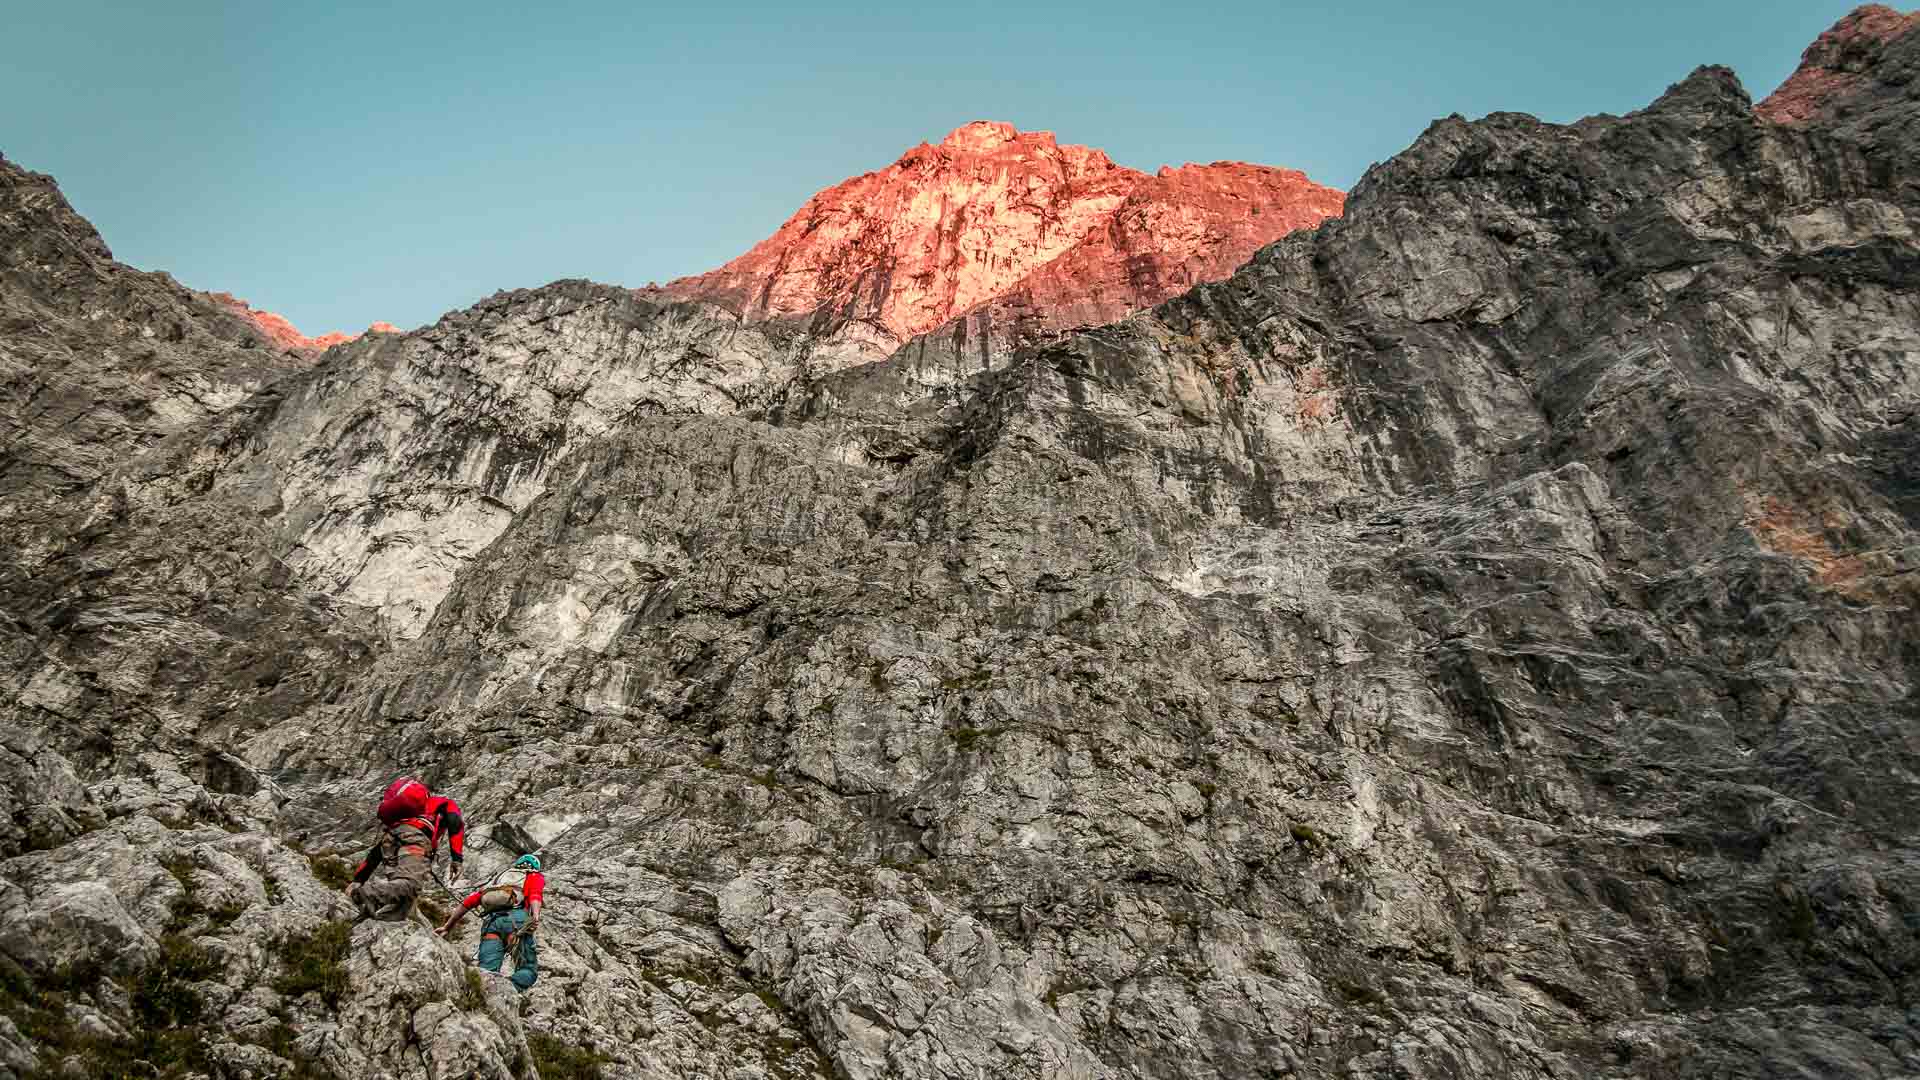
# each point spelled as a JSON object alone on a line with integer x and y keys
{"x": 389, "y": 893}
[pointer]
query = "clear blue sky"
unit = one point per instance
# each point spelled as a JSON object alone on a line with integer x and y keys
{"x": 341, "y": 163}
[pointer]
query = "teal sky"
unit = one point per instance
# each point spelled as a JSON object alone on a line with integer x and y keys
{"x": 341, "y": 163}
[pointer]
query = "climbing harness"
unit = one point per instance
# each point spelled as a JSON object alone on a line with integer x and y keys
{"x": 512, "y": 941}
{"x": 503, "y": 894}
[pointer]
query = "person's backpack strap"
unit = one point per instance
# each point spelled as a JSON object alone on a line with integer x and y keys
{"x": 504, "y": 891}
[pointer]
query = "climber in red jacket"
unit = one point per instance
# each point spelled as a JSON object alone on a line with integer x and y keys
{"x": 388, "y": 881}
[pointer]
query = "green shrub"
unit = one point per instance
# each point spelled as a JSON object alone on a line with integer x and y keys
{"x": 173, "y": 1054}
{"x": 1801, "y": 923}
{"x": 225, "y": 914}
{"x": 39, "y": 1006}
{"x": 1362, "y": 994}
{"x": 973, "y": 680}
{"x": 280, "y": 1041}
{"x": 187, "y": 905}
{"x": 330, "y": 870}
{"x": 167, "y": 1042}
{"x": 316, "y": 962}
{"x": 163, "y": 994}
{"x": 560, "y": 1061}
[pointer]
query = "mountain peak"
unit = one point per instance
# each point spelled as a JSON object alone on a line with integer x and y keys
{"x": 982, "y": 136}
{"x": 1838, "y": 65}
{"x": 991, "y": 211}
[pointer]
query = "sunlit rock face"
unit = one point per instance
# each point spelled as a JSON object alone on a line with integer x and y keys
{"x": 287, "y": 337}
{"x": 1840, "y": 65}
{"x": 990, "y": 213}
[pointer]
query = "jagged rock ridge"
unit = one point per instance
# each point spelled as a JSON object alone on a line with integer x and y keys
{"x": 287, "y": 336}
{"x": 991, "y": 213}
{"x": 1474, "y": 639}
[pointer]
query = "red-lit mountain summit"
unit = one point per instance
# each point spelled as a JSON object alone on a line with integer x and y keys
{"x": 1059, "y": 232}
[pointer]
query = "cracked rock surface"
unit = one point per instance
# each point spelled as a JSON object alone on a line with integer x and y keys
{"x": 1474, "y": 639}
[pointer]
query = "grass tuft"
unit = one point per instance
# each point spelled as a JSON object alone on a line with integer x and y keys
{"x": 168, "y": 1040}
{"x": 163, "y": 994}
{"x": 557, "y": 1060}
{"x": 330, "y": 870}
{"x": 316, "y": 962}
{"x": 473, "y": 996}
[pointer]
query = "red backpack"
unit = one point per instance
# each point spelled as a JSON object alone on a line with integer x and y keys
{"x": 405, "y": 798}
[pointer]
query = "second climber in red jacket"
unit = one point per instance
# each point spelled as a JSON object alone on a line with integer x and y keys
{"x": 510, "y": 904}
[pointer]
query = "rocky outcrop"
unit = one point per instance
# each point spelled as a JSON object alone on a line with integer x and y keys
{"x": 1844, "y": 67}
{"x": 176, "y": 936}
{"x": 1061, "y": 232}
{"x": 99, "y": 360}
{"x": 1474, "y": 639}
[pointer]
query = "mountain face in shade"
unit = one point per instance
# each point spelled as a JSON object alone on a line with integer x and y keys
{"x": 98, "y": 359}
{"x": 1477, "y": 637}
{"x": 990, "y": 213}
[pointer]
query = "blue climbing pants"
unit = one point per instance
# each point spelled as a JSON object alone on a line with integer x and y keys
{"x": 493, "y": 946}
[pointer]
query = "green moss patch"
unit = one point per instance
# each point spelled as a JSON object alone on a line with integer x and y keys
{"x": 432, "y": 909}
{"x": 473, "y": 996}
